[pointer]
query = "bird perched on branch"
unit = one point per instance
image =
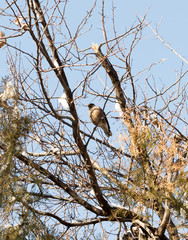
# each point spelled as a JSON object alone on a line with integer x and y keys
{"x": 98, "y": 118}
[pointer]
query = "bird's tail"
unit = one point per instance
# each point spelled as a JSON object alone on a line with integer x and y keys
{"x": 108, "y": 133}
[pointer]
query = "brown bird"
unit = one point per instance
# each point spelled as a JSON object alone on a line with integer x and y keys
{"x": 98, "y": 118}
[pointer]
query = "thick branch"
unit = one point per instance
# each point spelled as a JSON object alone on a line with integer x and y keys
{"x": 171, "y": 228}
{"x": 75, "y": 122}
{"x": 116, "y": 84}
{"x": 57, "y": 181}
{"x": 78, "y": 223}
{"x": 164, "y": 222}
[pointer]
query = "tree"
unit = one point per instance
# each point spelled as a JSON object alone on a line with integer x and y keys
{"x": 61, "y": 178}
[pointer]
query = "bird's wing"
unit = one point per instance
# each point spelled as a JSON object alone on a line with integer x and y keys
{"x": 106, "y": 120}
{"x": 98, "y": 118}
{"x": 103, "y": 119}
{"x": 96, "y": 114}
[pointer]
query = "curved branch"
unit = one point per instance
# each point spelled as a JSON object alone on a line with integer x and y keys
{"x": 75, "y": 122}
{"x": 116, "y": 84}
{"x": 77, "y": 223}
{"x": 57, "y": 181}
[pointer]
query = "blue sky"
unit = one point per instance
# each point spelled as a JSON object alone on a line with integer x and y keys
{"x": 170, "y": 17}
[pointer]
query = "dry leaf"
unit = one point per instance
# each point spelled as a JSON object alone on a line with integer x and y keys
{"x": 2, "y": 39}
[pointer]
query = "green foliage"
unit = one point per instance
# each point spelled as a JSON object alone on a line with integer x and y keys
{"x": 14, "y": 126}
{"x": 29, "y": 230}
{"x": 14, "y": 195}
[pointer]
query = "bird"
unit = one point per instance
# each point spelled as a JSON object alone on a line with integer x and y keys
{"x": 99, "y": 119}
